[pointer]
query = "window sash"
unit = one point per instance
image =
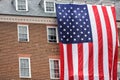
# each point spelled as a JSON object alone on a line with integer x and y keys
{"x": 49, "y": 6}
{"x": 24, "y": 67}
{"x": 21, "y": 5}
{"x": 54, "y": 71}
{"x": 23, "y": 33}
{"x": 52, "y": 34}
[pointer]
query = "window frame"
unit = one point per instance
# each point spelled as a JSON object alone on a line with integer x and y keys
{"x": 118, "y": 37}
{"x": 46, "y": 6}
{"x": 19, "y": 31}
{"x": 26, "y": 8}
{"x": 56, "y": 34}
{"x": 20, "y": 67}
{"x": 50, "y": 68}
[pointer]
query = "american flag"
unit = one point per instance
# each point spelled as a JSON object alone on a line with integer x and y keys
{"x": 88, "y": 42}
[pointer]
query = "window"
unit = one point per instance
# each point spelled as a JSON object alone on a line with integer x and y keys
{"x": 119, "y": 36}
{"x": 54, "y": 68}
{"x": 52, "y": 34}
{"x": 21, "y": 5}
{"x": 49, "y": 6}
{"x": 23, "y": 34}
{"x": 24, "y": 67}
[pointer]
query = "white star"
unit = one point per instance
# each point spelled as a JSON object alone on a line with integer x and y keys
{"x": 78, "y": 36}
{"x": 79, "y": 14}
{"x": 81, "y": 26}
{"x": 89, "y": 38}
{"x": 87, "y": 25}
{"x": 84, "y": 22}
{"x": 70, "y": 29}
{"x": 83, "y": 17}
{"x": 70, "y": 23}
{"x": 67, "y": 20}
{"x": 61, "y": 39}
{"x": 73, "y": 26}
{"x": 75, "y": 11}
{"x": 85, "y": 29}
{"x": 69, "y": 17}
{"x": 65, "y": 8}
{"x": 76, "y": 22}
{"x": 72, "y": 19}
{"x": 67, "y": 26}
{"x": 77, "y": 29}
{"x": 62, "y": 10}
{"x": 59, "y": 7}
{"x": 67, "y": 32}
{"x": 66, "y": 14}
{"x": 71, "y": 13}
{"x": 81, "y": 32}
{"x": 64, "y": 23}
{"x": 63, "y": 36}
{"x": 85, "y": 35}
{"x": 82, "y": 39}
{"x": 80, "y": 19}
{"x": 60, "y": 19}
{"x": 64, "y": 29}
{"x": 84, "y": 8}
{"x": 67, "y": 39}
{"x": 60, "y": 26}
{"x": 71, "y": 7}
{"x": 60, "y": 32}
{"x": 81, "y": 11}
{"x": 88, "y": 32}
{"x": 78, "y": 8}
{"x": 60, "y": 13}
{"x": 63, "y": 16}
{"x": 71, "y": 36}
{"x": 68, "y": 11}
{"x": 86, "y": 19}
{"x": 74, "y": 33}
{"x": 74, "y": 39}
{"x": 75, "y": 16}
{"x": 85, "y": 13}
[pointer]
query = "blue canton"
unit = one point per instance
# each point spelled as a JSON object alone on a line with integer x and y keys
{"x": 73, "y": 23}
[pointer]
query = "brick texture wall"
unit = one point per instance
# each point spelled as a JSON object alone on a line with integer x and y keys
{"x": 39, "y": 50}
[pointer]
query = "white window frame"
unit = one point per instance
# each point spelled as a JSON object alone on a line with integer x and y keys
{"x": 50, "y": 68}
{"x": 27, "y": 32}
{"x": 118, "y": 38}
{"x": 56, "y": 34}
{"x": 26, "y": 5}
{"x": 29, "y": 68}
{"x": 45, "y": 6}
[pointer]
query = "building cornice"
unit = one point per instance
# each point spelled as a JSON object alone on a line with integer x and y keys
{"x": 23, "y": 19}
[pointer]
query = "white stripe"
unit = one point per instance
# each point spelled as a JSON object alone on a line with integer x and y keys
{"x": 65, "y": 62}
{"x": 105, "y": 45}
{"x": 112, "y": 23}
{"x": 75, "y": 60}
{"x": 95, "y": 42}
{"x": 85, "y": 61}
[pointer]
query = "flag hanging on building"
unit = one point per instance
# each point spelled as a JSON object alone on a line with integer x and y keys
{"x": 88, "y": 42}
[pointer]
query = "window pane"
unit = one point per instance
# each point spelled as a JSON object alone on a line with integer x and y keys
{"x": 54, "y": 68}
{"x": 23, "y": 36}
{"x": 25, "y": 72}
{"x": 21, "y": 4}
{"x": 49, "y": 6}
{"x": 52, "y": 35}
{"x": 24, "y": 63}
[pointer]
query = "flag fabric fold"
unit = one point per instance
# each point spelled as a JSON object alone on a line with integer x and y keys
{"x": 88, "y": 42}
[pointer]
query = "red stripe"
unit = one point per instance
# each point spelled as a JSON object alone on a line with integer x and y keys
{"x": 90, "y": 62}
{"x": 109, "y": 38}
{"x": 114, "y": 73}
{"x": 100, "y": 43}
{"x": 61, "y": 61}
{"x": 70, "y": 61}
{"x": 80, "y": 61}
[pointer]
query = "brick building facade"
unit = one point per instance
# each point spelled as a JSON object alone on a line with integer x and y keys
{"x": 29, "y": 48}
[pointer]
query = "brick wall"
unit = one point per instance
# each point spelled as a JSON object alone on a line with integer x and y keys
{"x": 39, "y": 50}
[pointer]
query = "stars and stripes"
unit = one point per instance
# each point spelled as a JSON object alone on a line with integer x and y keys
{"x": 88, "y": 42}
